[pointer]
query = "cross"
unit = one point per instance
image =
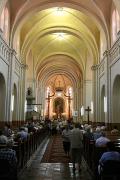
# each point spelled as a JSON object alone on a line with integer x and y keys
{"x": 88, "y": 110}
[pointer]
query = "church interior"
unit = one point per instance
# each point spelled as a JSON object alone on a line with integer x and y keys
{"x": 59, "y": 61}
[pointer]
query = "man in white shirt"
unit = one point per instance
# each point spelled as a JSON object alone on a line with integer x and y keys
{"x": 76, "y": 138}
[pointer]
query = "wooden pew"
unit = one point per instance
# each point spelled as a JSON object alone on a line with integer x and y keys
{"x": 24, "y": 150}
{"x": 92, "y": 153}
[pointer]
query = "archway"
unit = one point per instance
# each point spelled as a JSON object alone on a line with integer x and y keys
{"x": 58, "y": 107}
{"x": 102, "y": 113}
{"x": 116, "y": 100}
{"x": 14, "y": 103}
{"x": 2, "y": 97}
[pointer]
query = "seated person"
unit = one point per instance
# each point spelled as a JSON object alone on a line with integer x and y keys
{"x": 23, "y": 134}
{"x": 115, "y": 131}
{"x": 102, "y": 141}
{"x": 9, "y": 155}
{"x": 7, "y": 130}
{"x": 111, "y": 154}
{"x": 88, "y": 133}
{"x": 103, "y": 128}
{"x": 97, "y": 133}
{"x": 3, "y": 138}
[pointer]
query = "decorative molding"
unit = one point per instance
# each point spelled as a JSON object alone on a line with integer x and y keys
{"x": 106, "y": 53}
{"x": 1, "y": 32}
{"x": 94, "y": 67}
{"x": 24, "y": 66}
{"x": 118, "y": 34}
{"x": 101, "y": 67}
{"x": 13, "y": 52}
{"x": 5, "y": 50}
{"x": 115, "y": 50}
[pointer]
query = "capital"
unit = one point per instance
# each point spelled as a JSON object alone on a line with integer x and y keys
{"x": 106, "y": 53}
{"x": 94, "y": 67}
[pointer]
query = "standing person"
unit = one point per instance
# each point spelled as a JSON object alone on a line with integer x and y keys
{"x": 66, "y": 141}
{"x": 76, "y": 138}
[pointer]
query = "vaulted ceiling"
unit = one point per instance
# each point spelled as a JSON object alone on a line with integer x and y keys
{"x": 61, "y": 37}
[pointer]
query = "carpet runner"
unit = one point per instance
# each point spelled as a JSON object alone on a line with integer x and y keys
{"x": 54, "y": 152}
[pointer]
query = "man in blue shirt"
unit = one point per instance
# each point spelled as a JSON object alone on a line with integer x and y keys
{"x": 111, "y": 154}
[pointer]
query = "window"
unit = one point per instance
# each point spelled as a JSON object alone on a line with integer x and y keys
{"x": 115, "y": 24}
{"x": 4, "y": 23}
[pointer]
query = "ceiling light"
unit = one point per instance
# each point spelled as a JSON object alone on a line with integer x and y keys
{"x": 59, "y": 11}
{"x": 60, "y": 36}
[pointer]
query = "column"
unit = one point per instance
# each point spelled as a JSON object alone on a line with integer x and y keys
{"x": 95, "y": 93}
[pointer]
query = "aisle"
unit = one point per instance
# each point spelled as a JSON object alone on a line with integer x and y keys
{"x": 51, "y": 171}
{"x": 54, "y": 152}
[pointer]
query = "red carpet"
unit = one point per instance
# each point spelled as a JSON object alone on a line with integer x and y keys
{"x": 54, "y": 152}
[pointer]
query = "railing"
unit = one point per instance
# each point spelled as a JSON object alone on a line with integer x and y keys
{"x": 5, "y": 50}
{"x": 115, "y": 50}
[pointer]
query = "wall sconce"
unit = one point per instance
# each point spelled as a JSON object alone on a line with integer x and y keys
{"x": 59, "y": 11}
{"x": 105, "y": 104}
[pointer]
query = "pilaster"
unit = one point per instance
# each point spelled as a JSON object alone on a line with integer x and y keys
{"x": 95, "y": 92}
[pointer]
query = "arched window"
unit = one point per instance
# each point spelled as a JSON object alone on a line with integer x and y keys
{"x": 115, "y": 24}
{"x": 117, "y": 21}
{"x": 4, "y": 22}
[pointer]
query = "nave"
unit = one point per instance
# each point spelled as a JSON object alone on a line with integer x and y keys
{"x": 36, "y": 170}
{"x": 59, "y": 61}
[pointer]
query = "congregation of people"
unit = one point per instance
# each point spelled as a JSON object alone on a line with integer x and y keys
{"x": 73, "y": 136}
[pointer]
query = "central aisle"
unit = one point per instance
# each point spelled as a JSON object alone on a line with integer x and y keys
{"x": 51, "y": 171}
{"x": 54, "y": 152}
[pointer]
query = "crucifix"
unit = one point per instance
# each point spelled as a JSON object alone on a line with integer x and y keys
{"x": 88, "y": 110}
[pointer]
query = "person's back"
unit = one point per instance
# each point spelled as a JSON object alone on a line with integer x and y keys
{"x": 97, "y": 134}
{"x": 102, "y": 141}
{"x": 3, "y": 138}
{"x": 7, "y": 131}
{"x": 109, "y": 156}
{"x": 23, "y": 134}
{"x": 88, "y": 133}
{"x": 66, "y": 140}
{"x": 115, "y": 131}
{"x": 76, "y": 138}
{"x": 8, "y": 155}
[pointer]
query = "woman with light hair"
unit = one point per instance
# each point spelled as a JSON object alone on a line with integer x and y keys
{"x": 97, "y": 133}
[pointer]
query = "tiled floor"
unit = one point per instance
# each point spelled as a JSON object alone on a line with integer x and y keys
{"x": 36, "y": 170}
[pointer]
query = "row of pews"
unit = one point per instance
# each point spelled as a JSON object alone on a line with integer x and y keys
{"x": 24, "y": 150}
{"x": 92, "y": 153}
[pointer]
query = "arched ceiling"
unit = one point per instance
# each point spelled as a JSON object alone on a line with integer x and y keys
{"x": 60, "y": 35}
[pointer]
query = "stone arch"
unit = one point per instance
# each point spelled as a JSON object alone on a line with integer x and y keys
{"x": 102, "y": 113}
{"x": 2, "y": 97}
{"x": 116, "y": 100}
{"x": 14, "y": 110}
